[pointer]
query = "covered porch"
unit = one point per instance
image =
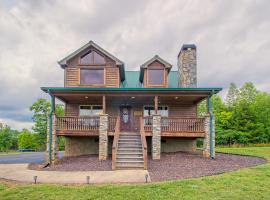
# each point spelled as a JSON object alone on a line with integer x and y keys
{"x": 151, "y": 113}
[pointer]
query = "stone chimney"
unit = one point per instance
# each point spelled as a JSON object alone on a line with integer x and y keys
{"x": 187, "y": 66}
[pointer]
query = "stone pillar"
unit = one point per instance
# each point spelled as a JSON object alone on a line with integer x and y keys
{"x": 206, "y": 140}
{"x": 156, "y": 139}
{"x": 48, "y": 141}
{"x": 187, "y": 66}
{"x": 103, "y": 137}
{"x": 55, "y": 147}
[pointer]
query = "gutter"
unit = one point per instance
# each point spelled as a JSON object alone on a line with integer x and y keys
{"x": 50, "y": 126}
{"x": 211, "y": 126}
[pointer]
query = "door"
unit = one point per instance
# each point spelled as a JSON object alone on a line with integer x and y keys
{"x": 125, "y": 118}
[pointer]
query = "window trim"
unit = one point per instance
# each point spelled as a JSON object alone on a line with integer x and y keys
{"x": 91, "y": 105}
{"x": 91, "y": 68}
{"x": 156, "y": 85}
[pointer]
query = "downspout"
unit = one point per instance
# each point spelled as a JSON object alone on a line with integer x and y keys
{"x": 50, "y": 126}
{"x": 209, "y": 106}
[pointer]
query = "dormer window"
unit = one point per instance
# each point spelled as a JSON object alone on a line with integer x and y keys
{"x": 91, "y": 76}
{"x": 155, "y": 77}
{"x": 92, "y": 58}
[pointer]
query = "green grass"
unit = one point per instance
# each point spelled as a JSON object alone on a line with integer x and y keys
{"x": 252, "y": 183}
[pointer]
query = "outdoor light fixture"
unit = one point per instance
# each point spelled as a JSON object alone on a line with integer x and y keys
{"x": 87, "y": 179}
{"x": 35, "y": 179}
{"x": 132, "y": 97}
{"x": 175, "y": 97}
{"x": 86, "y": 97}
{"x": 146, "y": 178}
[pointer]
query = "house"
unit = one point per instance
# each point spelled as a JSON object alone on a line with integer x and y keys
{"x": 129, "y": 114}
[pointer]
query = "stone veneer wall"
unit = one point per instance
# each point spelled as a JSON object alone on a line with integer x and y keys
{"x": 103, "y": 137}
{"x": 55, "y": 147}
{"x": 77, "y": 146}
{"x": 156, "y": 138}
{"x": 169, "y": 145}
{"x": 187, "y": 67}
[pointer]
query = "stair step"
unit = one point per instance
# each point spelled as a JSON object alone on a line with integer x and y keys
{"x": 130, "y": 153}
{"x": 129, "y": 161}
{"x": 129, "y": 141}
{"x": 129, "y": 157}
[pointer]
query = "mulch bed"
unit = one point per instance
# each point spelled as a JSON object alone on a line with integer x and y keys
{"x": 171, "y": 166}
{"x": 179, "y": 165}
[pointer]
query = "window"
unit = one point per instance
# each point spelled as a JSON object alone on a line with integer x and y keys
{"x": 90, "y": 110}
{"x": 92, "y": 58}
{"x": 150, "y": 110}
{"x": 92, "y": 76}
{"x": 155, "y": 76}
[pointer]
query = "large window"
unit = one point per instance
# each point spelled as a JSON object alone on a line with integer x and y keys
{"x": 155, "y": 76}
{"x": 150, "y": 110}
{"x": 90, "y": 110}
{"x": 91, "y": 76}
{"x": 92, "y": 58}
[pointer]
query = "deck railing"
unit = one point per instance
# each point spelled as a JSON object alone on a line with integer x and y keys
{"x": 112, "y": 123}
{"x": 148, "y": 123}
{"x": 144, "y": 143}
{"x": 115, "y": 142}
{"x": 78, "y": 123}
{"x": 178, "y": 124}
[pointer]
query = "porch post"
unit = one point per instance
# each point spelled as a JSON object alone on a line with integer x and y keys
{"x": 104, "y": 104}
{"x": 55, "y": 147}
{"x": 156, "y": 138}
{"x": 209, "y": 139}
{"x": 156, "y": 104}
{"x": 103, "y": 137}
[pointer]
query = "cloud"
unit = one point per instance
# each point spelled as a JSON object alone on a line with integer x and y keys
{"x": 232, "y": 38}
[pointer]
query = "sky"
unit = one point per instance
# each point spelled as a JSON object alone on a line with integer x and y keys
{"x": 232, "y": 39}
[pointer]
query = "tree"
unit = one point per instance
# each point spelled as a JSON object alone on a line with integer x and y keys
{"x": 26, "y": 140}
{"x": 41, "y": 109}
{"x": 5, "y": 139}
{"x": 232, "y": 95}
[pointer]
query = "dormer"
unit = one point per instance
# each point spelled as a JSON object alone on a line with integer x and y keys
{"x": 154, "y": 72}
{"x": 92, "y": 66}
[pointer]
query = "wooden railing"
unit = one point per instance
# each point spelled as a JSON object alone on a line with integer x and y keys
{"x": 177, "y": 124}
{"x": 144, "y": 143}
{"x": 112, "y": 123}
{"x": 148, "y": 124}
{"x": 77, "y": 123}
{"x": 115, "y": 142}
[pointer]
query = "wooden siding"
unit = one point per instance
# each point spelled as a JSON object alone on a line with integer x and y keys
{"x": 71, "y": 109}
{"x": 72, "y": 72}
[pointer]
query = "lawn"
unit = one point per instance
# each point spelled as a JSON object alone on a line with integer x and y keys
{"x": 252, "y": 183}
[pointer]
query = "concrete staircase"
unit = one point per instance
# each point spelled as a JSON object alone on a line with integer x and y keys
{"x": 129, "y": 154}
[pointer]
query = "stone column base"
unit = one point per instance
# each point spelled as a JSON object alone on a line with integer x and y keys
{"x": 156, "y": 138}
{"x": 103, "y": 137}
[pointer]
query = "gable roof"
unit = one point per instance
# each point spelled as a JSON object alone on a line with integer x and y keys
{"x": 63, "y": 62}
{"x": 155, "y": 58}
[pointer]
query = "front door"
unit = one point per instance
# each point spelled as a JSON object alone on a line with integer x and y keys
{"x": 125, "y": 118}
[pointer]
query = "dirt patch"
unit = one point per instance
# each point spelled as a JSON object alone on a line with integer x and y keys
{"x": 179, "y": 165}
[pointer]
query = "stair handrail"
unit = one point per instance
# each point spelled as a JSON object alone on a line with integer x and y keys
{"x": 115, "y": 142}
{"x": 144, "y": 143}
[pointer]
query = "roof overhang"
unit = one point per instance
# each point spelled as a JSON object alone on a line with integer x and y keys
{"x": 119, "y": 63}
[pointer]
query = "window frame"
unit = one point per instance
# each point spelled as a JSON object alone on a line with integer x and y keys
{"x": 91, "y": 106}
{"x": 91, "y": 64}
{"x": 154, "y": 109}
{"x": 92, "y": 68}
{"x": 156, "y": 85}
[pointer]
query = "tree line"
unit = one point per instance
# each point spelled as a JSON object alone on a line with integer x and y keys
{"x": 243, "y": 117}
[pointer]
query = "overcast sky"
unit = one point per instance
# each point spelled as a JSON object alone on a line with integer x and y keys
{"x": 232, "y": 38}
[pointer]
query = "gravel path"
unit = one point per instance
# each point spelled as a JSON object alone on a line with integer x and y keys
{"x": 178, "y": 165}
{"x": 171, "y": 166}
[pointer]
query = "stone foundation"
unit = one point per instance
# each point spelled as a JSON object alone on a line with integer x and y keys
{"x": 169, "y": 145}
{"x": 77, "y": 146}
{"x": 156, "y": 139}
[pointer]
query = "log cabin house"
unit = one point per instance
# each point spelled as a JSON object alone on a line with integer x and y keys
{"x": 129, "y": 114}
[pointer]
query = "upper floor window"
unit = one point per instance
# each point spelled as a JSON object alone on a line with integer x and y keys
{"x": 92, "y": 58}
{"x": 90, "y": 110}
{"x": 155, "y": 76}
{"x": 92, "y": 76}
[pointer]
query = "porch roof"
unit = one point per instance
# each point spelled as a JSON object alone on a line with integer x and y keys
{"x": 210, "y": 90}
